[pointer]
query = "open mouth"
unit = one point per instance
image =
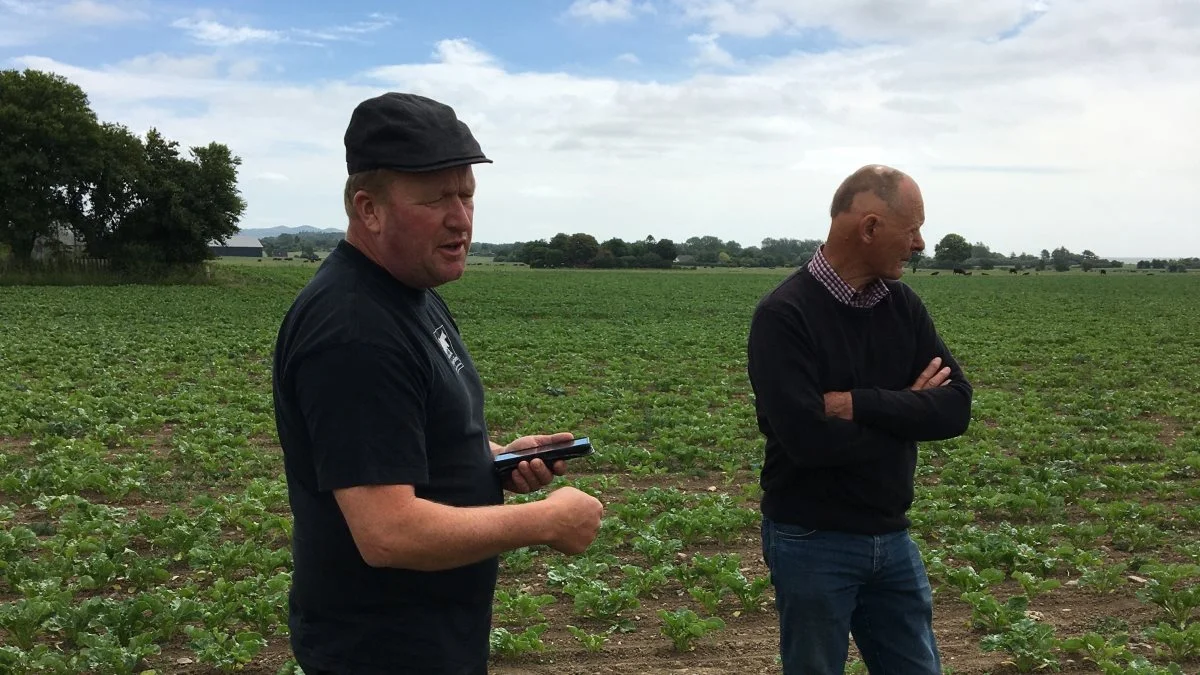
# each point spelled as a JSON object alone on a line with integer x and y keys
{"x": 455, "y": 248}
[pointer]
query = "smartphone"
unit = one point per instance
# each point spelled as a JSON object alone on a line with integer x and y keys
{"x": 578, "y": 447}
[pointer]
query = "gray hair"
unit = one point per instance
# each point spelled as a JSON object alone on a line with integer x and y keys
{"x": 881, "y": 181}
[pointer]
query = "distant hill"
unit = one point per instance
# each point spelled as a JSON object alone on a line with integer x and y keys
{"x": 279, "y": 229}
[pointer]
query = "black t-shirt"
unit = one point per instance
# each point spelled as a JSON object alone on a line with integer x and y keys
{"x": 373, "y": 385}
{"x": 851, "y": 475}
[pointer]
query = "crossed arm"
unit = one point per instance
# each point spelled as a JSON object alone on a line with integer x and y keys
{"x": 936, "y": 406}
{"x": 818, "y": 428}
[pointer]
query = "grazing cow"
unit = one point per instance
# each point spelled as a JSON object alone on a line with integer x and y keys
{"x": 959, "y": 270}
{"x": 1103, "y": 271}
{"x": 934, "y": 274}
{"x": 1025, "y": 274}
{"x": 1012, "y": 270}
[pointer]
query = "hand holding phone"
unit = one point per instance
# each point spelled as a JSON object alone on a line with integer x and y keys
{"x": 549, "y": 453}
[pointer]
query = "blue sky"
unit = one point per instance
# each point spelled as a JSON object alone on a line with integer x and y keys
{"x": 1029, "y": 124}
{"x": 309, "y": 39}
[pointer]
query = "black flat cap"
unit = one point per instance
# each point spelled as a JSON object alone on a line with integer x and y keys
{"x": 407, "y": 132}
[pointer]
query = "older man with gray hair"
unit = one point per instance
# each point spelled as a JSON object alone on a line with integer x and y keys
{"x": 849, "y": 374}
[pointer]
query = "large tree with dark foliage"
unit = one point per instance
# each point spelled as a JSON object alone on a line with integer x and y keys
{"x": 138, "y": 203}
{"x": 49, "y": 137}
{"x": 952, "y": 248}
{"x": 182, "y": 204}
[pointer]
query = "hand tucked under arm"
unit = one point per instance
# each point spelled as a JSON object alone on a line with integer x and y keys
{"x": 938, "y": 404}
{"x": 839, "y": 404}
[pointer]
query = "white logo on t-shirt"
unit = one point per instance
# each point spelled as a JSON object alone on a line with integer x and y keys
{"x": 443, "y": 339}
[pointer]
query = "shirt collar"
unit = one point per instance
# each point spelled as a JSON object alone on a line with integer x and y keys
{"x": 869, "y": 296}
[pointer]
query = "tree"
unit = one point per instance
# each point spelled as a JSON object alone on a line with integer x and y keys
{"x": 915, "y": 260}
{"x": 581, "y": 249}
{"x": 119, "y": 169}
{"x": 980, "y": 250}
{"x": 666, "y": 249}
{"x": 787, "y": 252}
{"x": 1062, "y": 259}
{"x": 49, "y": 138}
{"x": 561, "y": 241}
{"x": 134, "y": 202}
{"x": 952, "y": 248}
{"x": 616, "y": 247}
{"x": 183, "y": 205}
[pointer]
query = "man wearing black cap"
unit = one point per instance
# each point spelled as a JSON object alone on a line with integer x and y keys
{"x": 399, "y": 517}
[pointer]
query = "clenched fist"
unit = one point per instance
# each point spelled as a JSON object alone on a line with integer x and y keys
{"x": 573, "y": 519}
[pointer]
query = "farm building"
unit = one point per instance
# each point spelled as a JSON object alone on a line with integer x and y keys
{"x": 237, "y": 245}
{"x": 62, "y": 241}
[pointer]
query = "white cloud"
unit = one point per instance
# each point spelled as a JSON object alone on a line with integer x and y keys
{"x": 201, "y": 66}
{"x": 709, "y": 53}
{"x": 630, "y": 58}
{"x": 602, "y": 11}
{"x": 218, "y": 34}
{"x": 1077, "y": 131}
{"x": 461, "y": 52}
{"x": 207, "y": 30}
{"x": 862, "y": 19}
{"x": 350, "y": 32}
{"x": 25, "y": 23}
{"x": 607, "y": 11}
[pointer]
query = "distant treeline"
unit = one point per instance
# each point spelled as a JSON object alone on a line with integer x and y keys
{"x": 583, "y": 250}
{"x": 1179, "y": 265}
{"x": 304, "y": 242}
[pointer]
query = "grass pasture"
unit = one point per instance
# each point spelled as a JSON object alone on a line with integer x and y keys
{"x": 144, "y": 520}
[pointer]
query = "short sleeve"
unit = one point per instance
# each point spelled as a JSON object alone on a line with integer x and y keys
{"x": 364, "y": 409}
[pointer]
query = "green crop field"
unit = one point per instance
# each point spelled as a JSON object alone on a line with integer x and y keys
{"x": 145, "y": 522}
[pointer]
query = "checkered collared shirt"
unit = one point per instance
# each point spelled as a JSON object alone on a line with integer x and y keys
{"x": 869, "y": 296}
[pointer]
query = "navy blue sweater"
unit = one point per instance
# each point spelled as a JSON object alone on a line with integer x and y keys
{"x": 830, "y": 473}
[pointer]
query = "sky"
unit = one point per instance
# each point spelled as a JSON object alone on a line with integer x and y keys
{"x": 1028, "y": 124}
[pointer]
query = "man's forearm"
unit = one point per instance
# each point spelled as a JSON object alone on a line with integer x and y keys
{"x": 926, "y": 415}
{"x": 832, "y": 441}
{"x": 435, "y": 536}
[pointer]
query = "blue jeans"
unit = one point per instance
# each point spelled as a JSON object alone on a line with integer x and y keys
{"x": 829, "y": 585}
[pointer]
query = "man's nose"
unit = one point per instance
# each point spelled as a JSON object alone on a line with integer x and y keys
{"x": 458, "y": 217}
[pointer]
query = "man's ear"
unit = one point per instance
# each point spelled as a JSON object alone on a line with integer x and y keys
{"x": 367, "y": 208}
{"x": 868, "y": 227}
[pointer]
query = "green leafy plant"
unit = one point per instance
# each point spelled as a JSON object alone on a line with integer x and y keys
{"x": 505, "y": 643}
{"x": 1029, "y": 644}
{"x": 592, "y": 642}
{"x": 684, "y": 627}
{"x": 521, "y": 607}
